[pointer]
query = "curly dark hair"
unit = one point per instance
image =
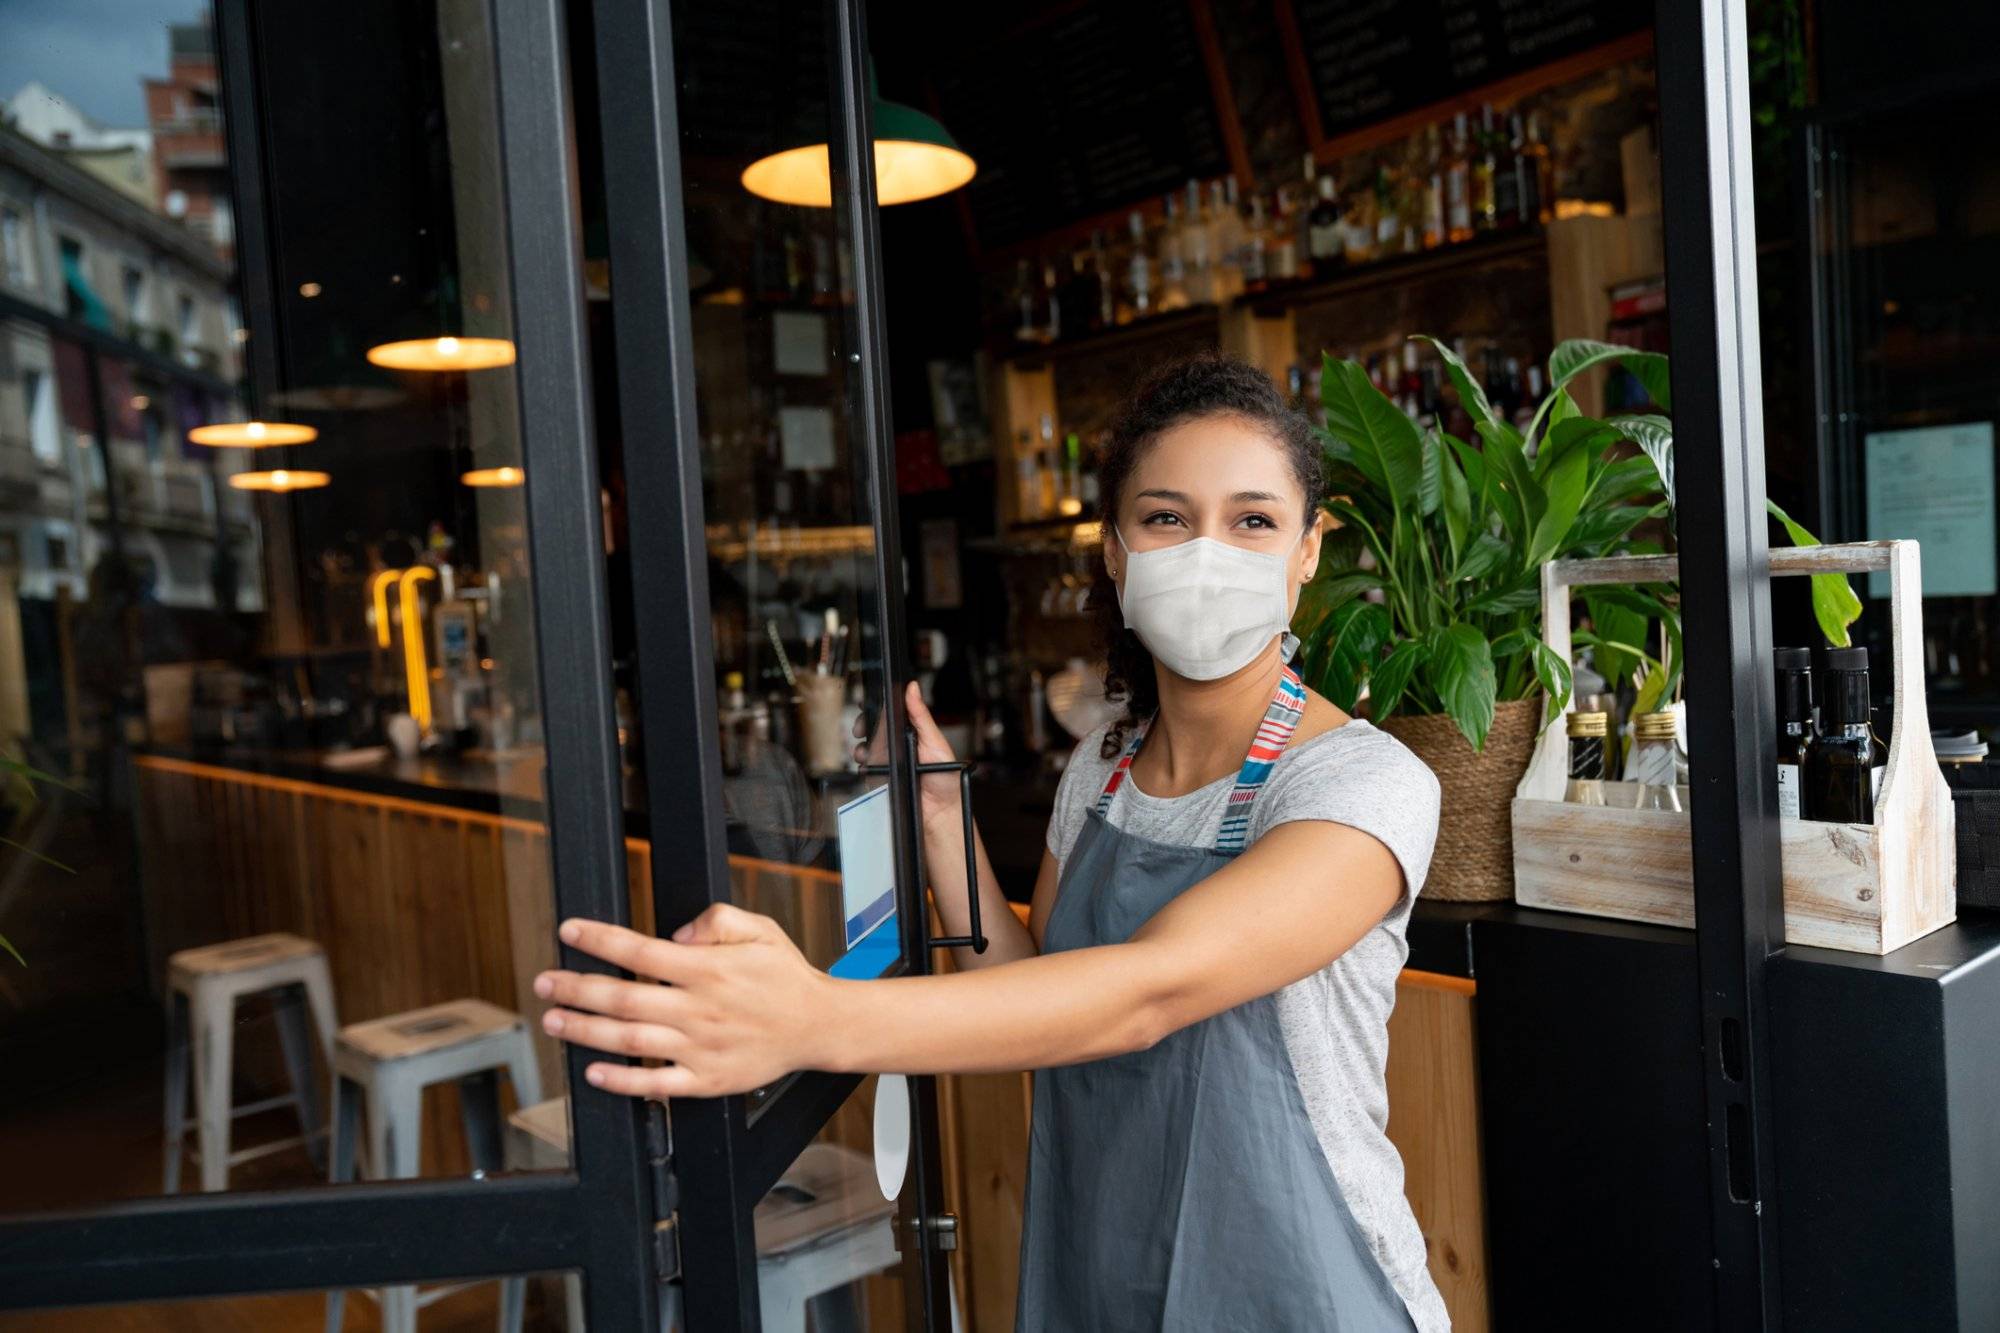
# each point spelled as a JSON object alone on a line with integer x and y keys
{"x": 1200, "y": 386}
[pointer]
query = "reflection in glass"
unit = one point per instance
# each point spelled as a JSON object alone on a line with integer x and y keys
{"x": 548, "y": 1303}
{"x": 269, "y": 699}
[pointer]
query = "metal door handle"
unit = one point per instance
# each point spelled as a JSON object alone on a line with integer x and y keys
{"x": 976, "y": 940}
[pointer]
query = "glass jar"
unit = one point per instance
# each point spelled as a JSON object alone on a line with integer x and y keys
{"x": 1653, "y": 769}
{"x": 1587, "y": 733}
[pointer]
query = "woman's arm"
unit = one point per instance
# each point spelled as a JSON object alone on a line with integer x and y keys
{"x": 745, "y": 1008}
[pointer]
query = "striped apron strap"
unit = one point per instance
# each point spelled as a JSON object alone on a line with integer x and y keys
{"x": 1117, "y": 778}
{"x": 1281, "y": 719}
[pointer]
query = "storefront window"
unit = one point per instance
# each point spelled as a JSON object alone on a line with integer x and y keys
{"x": 269, "y": 693}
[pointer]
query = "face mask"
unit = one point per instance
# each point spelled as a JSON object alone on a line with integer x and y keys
{"x": 1205, "y": 608}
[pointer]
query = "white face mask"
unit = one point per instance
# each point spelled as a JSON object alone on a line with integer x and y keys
{"x": 1205, "y": 608}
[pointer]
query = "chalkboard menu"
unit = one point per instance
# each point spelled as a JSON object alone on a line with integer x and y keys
{"x": 1095, "y": 108}
{"x": 1372, "y": 60}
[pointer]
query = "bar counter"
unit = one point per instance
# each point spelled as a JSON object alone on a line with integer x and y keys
{"x": 427, "y": 880}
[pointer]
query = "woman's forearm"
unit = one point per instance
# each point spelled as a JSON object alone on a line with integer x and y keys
{"x": 944, "y": 862}
{"x": 1032, "y": 1013}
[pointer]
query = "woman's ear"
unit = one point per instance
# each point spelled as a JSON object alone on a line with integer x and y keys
{"x": 1111, "y": 553}
{"x": 1309, "y": 546}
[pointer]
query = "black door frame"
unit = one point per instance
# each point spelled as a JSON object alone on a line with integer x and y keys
{"x": 727, "y": 1152}
{"x": 1701, "y": 54}
{"x": 597, "y": 1217}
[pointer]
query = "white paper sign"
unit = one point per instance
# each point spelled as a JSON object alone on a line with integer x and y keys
{"x": 805, "y": 437}
{"x": 1935, "y": 484}
{"x": 798, "y": 342}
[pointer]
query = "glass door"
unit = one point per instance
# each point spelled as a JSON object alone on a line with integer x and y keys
{"x": 307, "y": 733}
{"x": 758, "y": 526}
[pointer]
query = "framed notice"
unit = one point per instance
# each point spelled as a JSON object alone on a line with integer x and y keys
{"x": 1935, "y": 484}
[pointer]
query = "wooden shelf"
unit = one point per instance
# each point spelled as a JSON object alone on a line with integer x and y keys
{"x": 1137, "y": 333}
{"x": 1400, "y": 268}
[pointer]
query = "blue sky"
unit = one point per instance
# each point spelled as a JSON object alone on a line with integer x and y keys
{"x": 94, "y": 52}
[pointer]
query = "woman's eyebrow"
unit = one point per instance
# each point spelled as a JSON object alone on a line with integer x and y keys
{"x": 1255, "y": 497}
{"x": 1178, "y": 497}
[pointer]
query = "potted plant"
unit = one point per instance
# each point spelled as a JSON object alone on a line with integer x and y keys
{"x": 1429, "y": 596}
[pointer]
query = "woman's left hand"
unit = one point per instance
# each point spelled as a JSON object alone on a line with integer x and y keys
{"x": 744, "y": 1008}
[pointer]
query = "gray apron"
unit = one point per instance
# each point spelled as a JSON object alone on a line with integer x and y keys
{"x": 1183, "y": 1187}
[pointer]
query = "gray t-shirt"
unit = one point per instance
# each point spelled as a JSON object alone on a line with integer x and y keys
{"x": 1334, "y": 1021}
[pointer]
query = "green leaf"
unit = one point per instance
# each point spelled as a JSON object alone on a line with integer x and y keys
{"x": 1504, "y": 601}
{"x": 1650, "y": 369}
{"x": 1346, "y": 647}
{"x": 1470, "y": 396}
{"x": 1561, "y": 408}
{"x": 1486, "y": 554}
{"x": 1328, "y": 592}
{"x": 1625, "y": 479}
{"x": 1573, "y": 357}
{"x": 1461, "y": 666}
{"x": 1430, "y": 488}
{"x": 1386, "y": 445}
{"x": 1566, "y": 482}
{"x": 1457, "y": 502}
{"x": 1615, "y": 621}
{"x": 1834, "y": 604}
{"x": 1516, "y": 493}
{"x": 1655, "y": 436}
{"x": 1595, "y": 530}
{"x": 1554, "y": 675}
{"x": 8, "y": 945}
{"x": 1388, "y": 681}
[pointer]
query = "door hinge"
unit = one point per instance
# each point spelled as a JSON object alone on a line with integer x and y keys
{"x": 666, "y": 1194}
{"x": 943, "y": 1231}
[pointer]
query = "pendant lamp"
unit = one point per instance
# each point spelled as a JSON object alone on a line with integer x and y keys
{"x": 915, "y": 158}
{"x": 493, "y": 477}
{"x": 279, "y": 480}
{"x": 251, "y": 434}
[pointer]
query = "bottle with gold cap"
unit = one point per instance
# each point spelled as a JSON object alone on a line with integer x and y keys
{"x": 1587, "y": 732}
{"x": 1652, "y": 769}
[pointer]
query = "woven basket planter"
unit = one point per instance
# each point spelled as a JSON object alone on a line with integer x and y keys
{"x": 1474, "y": 861}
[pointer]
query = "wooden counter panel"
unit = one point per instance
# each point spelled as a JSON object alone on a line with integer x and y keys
{"x": 417, "y": 904}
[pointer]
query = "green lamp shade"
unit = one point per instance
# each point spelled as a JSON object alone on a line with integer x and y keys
{"x": 915, "y": 158}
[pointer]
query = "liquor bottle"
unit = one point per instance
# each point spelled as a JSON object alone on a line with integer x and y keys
{"x": 1256, "y": 255}
{"x": 1485, "y": 169}
{"x": 1411, "y": 397}
{"x": 1050, "y": 304}
{"x": 1225, "y": 238}
{"x": 1357, "y": 225}
{"x": 1654, "y": 770}
{"x": 1840, "y": 768}
{"x": 1515, "y": 188}
{"x": 1107, "y": 290}
{"x": 1458, "y": 185}
{"x": 1072, "y": 480}
{"x": 1048, "y": 470}
{"x": 1027, "y": 478}
{"x": 1795, "y": 727}
{"x": 1026, "y": 330}
{"x": 1172, "y": 263}
{"x": 1433, "y": 180}
{"x": 1283, "y": 257}
{"x": 1540, "y": 166}
{"x": 1587, "y": 732}
{"x": 1196, "y": 256}
{"x": 1323, "y": 227}
{"x": 1138, "y": 293}
{"x": 1388, "y": 210}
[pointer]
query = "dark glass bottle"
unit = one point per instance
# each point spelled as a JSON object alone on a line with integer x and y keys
{"x": 1840, "y": 783}
{"x": 1795, "y": 728}
{"x": 1587, "y": 732}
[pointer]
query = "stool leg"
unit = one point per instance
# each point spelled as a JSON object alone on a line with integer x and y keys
{"x": 291, "y": 1016}
{"x": 346, "y": 1130}
{"x": 177, "y": 1089}
{"x": 479, "y": 1111}
{"x": 214, "y": 1022}
{"x": 513, "y": 1304}
{"x": 525, "y": 1071}
{"x": 395, "y": 1133}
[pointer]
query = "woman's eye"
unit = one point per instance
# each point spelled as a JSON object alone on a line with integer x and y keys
{"x": 1259, "y": 521}
{"x": 1161, "y": 519}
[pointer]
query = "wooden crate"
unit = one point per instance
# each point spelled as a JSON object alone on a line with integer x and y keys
{"x": 1861, "y": 887}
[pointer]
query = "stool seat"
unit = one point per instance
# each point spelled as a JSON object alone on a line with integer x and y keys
{"x": 428, "y": 1030}
{"x": 241, "y": 955}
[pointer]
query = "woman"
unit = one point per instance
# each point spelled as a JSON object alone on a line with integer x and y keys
{"x": 1212, "y": 951}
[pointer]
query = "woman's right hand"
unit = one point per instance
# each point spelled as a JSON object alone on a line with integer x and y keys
{"x": 939, "y": 800}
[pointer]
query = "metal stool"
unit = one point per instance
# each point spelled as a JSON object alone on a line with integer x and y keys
{"x": 203, "y": 986}
{"x": 387, "y": 1063}
{"x": 822, "y": 1227}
